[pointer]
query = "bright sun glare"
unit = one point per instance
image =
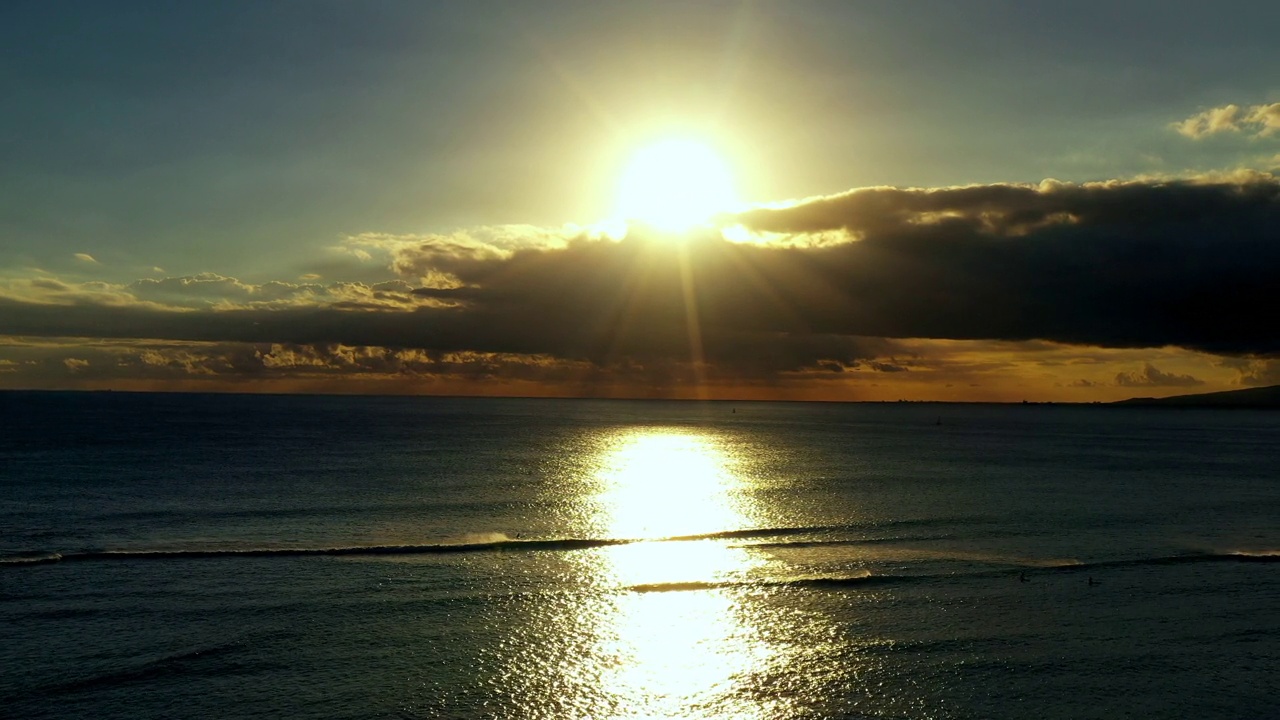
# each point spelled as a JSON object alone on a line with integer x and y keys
{"x": 675, "y": 184}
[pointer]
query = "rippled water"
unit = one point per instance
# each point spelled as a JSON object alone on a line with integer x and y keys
{"x": 235, "y": 556}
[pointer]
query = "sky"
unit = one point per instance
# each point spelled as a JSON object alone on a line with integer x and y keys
{"x": 979, "y": 201}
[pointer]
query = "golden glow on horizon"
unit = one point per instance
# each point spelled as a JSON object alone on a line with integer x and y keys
{"x": 675, "y": 184}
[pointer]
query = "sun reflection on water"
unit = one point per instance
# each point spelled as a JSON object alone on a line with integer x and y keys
{"x": 661, "y": 484}
{"x": 682, "y": 653}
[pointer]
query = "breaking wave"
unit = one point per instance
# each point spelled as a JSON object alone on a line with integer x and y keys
{"x": 865, "y": 579}
{"x": 769, "y": 539}
{"x": 478, "y": 542}
{"x": 195, "y": 554}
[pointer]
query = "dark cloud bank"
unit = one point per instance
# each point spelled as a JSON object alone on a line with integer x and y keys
{"x": 1134, "y": 264}
{"x": 1119, "y": 265}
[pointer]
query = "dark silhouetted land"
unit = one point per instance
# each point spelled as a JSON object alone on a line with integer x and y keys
{"x": 1263, "y": 397}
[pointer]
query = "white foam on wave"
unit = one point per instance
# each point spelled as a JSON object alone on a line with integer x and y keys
{"x": 1255, "y": 553}
{"x": 487, "y": 538}
{"x": 25, "y": 559}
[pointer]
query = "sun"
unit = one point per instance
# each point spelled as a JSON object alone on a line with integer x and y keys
{"x": 675, "y": 184}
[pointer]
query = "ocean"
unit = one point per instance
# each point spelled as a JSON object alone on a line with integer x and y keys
{"x": 236, "y": 556}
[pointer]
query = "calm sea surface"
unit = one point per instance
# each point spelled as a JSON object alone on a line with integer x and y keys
{"x": 196, "y": 556}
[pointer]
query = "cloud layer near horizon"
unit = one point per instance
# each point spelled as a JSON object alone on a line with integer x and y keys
{"x": 829, "y": 285}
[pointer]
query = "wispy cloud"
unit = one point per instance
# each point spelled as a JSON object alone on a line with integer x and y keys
{"x": 1151, "y": 376}
{"x": 1257, "y": 121}
{"x": 211, "y": 291}
{"x": 431, "y": 259}
{"x": 1254, "y": 371}
{"x": 86, "y": 257}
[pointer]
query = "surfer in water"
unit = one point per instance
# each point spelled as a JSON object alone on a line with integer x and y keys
{"x": 1022, "y": 577}
{"x": 1093, "y": 582}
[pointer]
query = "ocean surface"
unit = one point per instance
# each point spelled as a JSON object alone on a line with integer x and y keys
{"x": 221, "y": 556}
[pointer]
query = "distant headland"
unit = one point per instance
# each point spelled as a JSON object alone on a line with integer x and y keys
{"x": 1263, "y": 397}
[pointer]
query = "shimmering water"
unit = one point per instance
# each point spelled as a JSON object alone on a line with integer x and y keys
{"x": 182, "y": 556}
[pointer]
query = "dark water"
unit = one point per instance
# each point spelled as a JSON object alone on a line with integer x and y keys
{"x": 183, "y": 556}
